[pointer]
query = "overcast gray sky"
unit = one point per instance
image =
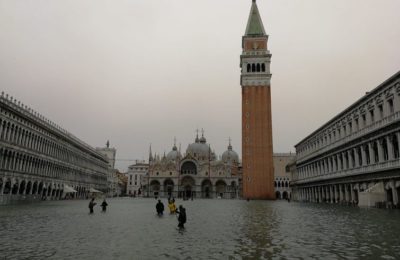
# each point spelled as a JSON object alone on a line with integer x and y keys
{"x": 143, "y": 71}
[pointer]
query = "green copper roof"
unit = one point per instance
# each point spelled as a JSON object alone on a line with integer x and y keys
{"x": 254, "y": 24}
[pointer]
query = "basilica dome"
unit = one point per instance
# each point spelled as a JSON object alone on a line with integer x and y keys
{"x": 199, "y": 148}
{"x": 174, "y": 154}
{"x": 230, "y": 155}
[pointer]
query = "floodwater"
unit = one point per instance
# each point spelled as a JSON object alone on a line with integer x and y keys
{"x": 215, "y": 229}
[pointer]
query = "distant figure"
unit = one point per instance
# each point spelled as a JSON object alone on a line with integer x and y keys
{"x": 248, "y": 199}
{"x": 104, "y": 205}
{"x": 181, "y": 217}
{"x": 91, "y": 205}
{"x": 160, "y": 208}
{"x": 171, "y": 206}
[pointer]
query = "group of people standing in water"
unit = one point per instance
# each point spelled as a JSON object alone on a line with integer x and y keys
{"x": 92, "y": 204}
{"x": 181, "y": 211}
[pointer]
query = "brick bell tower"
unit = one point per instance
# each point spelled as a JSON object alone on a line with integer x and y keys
{"x": 258, "y": 172}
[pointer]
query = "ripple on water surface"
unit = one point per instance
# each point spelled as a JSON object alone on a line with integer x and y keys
{"x": 215, "y": 229}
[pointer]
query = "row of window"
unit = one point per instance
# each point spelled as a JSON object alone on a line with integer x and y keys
{"x": 20, "y": 162}
{"x": 360, "y": 119}
{"x": 374, "y": 152}
{"x": 283, "y": 184}
{"x": 255, "y": 67}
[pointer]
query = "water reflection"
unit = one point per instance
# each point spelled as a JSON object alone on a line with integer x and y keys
{"x": 215, "y": 229}
{"x": 259, "y": 222}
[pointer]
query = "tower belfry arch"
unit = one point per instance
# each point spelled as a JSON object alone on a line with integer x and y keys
{"x": 257, "y": 150}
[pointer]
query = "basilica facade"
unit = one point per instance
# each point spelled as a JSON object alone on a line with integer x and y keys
{"x": 198, "y": 173}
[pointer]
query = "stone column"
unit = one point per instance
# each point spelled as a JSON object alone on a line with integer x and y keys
{"x": 327, "y": 198}
{"x": 334, "y": 165}
{"x": 398, "y": 140}
{"x": 339, "y": 162}
{"x": 312, "y": 193}
{"x": 371, "y": 154}
{"x": 336, "y": 193}
{"x": 351, "y": 193}
{"x": 3, "y": 185}
{"x": 394, "y": 193}
{"x": 346, "y": 193}
{"x": 326, "y": 166}
{"x": 321, "y": 192}
{"x": 380, "y": 151}
{"x": 389, "y": 140}
{"x": 350, "y": 158}
{"x": 363, "y": 156}
{"x": 356, "y": 159}
{"x": 329, "y": 165}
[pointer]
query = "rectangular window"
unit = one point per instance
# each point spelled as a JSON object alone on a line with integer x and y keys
{"x": 356, "y": 122}
{"x": 135, "y": 177}
{"x": 130, "y": 177}
{"x": 364, "y": 118}
{"x": 350, "y": 127}
{"x": 380, "y": 111}
{"x": 391, "y": 108}
{"x": 135, "y": 183}
{"x": 371, "y": 112}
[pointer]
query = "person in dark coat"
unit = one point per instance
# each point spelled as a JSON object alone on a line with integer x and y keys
{"x": 182, "y": 216}
{"x": 91, "y": 205}
{"x": 104, "y": 205}
{"x": 160, "y": 208}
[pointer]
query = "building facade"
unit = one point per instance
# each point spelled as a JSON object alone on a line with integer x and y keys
{"x": 282, "y": 174}
{"x": 40, "y": 160}
{"x": 113, "y": 187}
{"x": 136, "y": 178}
{"x": 354, "y": 157}
{"x": 257, "y": 150}
{"x": 196, "y": 174}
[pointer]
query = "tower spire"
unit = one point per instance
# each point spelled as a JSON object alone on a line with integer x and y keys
{"x": 150, "y": 154}
{"x": 197, "y": 135}
{"x": 254, "y": 24}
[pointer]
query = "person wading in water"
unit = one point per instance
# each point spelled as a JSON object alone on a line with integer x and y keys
{"x": 181, "y": 217}
{"x": 104, "y": 205}
{"x": 160, "y": 208}
{"x": 91, "y": 205}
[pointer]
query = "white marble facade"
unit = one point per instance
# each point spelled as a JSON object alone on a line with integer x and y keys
{"x": 40, "y": 160}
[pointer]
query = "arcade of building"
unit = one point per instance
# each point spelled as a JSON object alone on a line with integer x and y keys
{"x": 355, "y": 156}
{"x": 40, "y": 160}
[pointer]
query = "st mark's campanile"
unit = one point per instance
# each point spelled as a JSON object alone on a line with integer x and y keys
{"x": 258, "y": 172}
